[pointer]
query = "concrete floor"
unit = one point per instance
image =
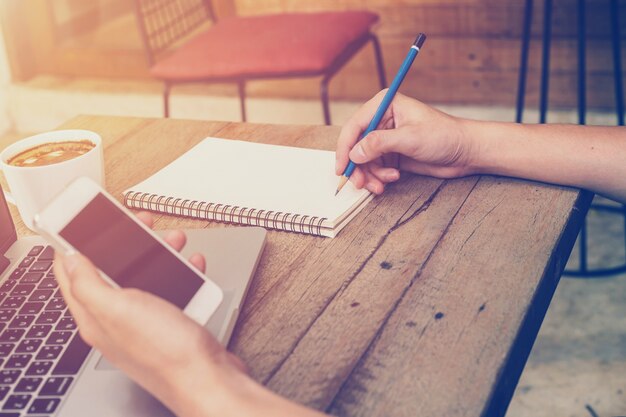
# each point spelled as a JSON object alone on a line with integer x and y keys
{"x": 578, "y": 363}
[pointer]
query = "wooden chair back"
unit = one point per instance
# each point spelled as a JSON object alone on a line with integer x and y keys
{"x": 162, "y": 23}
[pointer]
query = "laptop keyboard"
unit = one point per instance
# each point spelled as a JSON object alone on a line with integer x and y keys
{"x": 40, "y": 349}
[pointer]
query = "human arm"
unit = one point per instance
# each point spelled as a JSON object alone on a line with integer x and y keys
{"x": 416, "y": 138}
{"x": 161, "y": 349}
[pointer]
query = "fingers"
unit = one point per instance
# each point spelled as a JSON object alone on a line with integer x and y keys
{"x": 198, "y": 261}
{"x": 85, "y": 284}
{"x": 351, "y": 131}
{"x": 176, "y": 239}
{"x": 384, "y": 174}
{"x": 380, "y": 142}
{"x": 89, "y": 327}
{"x": 146, "y": 218}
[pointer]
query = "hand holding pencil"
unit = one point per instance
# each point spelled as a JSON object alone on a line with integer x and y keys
{"x": 386, "y": 101}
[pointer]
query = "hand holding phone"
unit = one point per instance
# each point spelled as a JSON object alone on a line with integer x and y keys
{"x": 86, "y": 219}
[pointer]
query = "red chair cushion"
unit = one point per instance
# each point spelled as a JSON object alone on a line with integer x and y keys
{"x": 270, "y": 45}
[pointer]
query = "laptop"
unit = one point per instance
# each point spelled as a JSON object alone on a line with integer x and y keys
{"x": 47, "y": 370}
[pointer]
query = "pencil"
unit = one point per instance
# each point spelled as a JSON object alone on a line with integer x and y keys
{"x": 384, "y": 105}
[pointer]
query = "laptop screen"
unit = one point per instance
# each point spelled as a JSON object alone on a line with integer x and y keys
{"x": 7, "y": 229}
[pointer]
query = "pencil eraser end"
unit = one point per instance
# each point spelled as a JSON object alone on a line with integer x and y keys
{"x": 419, "y": 41}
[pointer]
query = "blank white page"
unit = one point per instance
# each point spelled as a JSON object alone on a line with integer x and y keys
{"x": 263, "y": 177}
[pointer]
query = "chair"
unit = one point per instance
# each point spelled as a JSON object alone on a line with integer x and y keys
{"x": 583, "y": 271}
{"x": 240, "y": 49}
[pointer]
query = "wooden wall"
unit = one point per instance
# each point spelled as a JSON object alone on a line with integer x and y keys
{"x": 471, "y": 56}
{"x": 472, "y": 53}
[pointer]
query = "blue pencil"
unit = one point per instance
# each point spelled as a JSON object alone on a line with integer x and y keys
{"x": 384, "y": 105}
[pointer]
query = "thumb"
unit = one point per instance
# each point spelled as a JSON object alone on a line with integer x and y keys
{"x": 86, "y": 284}
{"x": 380, "y": 142}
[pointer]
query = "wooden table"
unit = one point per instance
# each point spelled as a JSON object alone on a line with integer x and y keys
{"x": 426, "y": 304}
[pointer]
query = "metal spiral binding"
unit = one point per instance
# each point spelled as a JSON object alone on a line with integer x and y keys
{"x": 225, "y": 213}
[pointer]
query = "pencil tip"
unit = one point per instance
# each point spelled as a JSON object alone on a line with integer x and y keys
{"x": 342, "y": 181}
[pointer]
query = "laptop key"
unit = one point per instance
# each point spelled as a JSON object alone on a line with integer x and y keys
{"x": 48, "y": 317}
{"x": 28, "y": 384}
{"x": 40, "y": 295}
{"x": 17, "y": 273}
{"x": 40, "y": 266}
{"x": 4, "y": 390}
{"x": 28, "y": 261}
{"x": 55, "y": 304}
{"x": 66, "y": 323}
{"x": 39, "y": 368}
{"x": 47, "y": 284}
{"x": 22, "y": 321}
{"x": 44, "y": 405}
{"x": 18, "y": 361}
{"x": 13, "y": 302}
{"x": 58, "y": 338}
{"x": 12, "y": 335}
{"x": 28, "y": 345}
{"x": 22, "y": 289}
{"x": 8, "y": 377}
{"x": 73, "y": 357}
{"x": 17, "y": 402}
{"x": 36, "y": 250}
{"x": 38, "y": 331}
{"x": 2, "y": 414}
{"x": 31, "y": 278}
{"x": 31, "y": 308}
{"x": 6, "y": 348}
{"x": 47, "y": 254}
{"x": 49, "y": 352}
{"x": 6, "y": 315}
{"x": 56, "y": 386}
{"x": 8, "y": 285}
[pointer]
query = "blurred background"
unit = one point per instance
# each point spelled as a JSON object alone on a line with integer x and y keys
{"x": 61, "y": 58}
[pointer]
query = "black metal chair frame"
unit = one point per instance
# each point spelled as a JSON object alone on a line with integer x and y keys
{"x": 583, "y": 270}
{"x": 171, "y": 32}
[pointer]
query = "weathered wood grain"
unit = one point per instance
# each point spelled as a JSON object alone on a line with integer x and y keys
{"x": 417, "y": 306}
{"x": 442, "y": 348}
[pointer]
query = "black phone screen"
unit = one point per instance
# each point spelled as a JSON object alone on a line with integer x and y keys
{"x": 128, "y": 254}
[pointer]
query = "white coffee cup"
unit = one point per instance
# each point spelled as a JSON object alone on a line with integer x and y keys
{"x": 31, "y": 188}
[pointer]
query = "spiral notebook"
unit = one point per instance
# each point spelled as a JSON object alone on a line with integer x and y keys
{"x": 271, "y": 186}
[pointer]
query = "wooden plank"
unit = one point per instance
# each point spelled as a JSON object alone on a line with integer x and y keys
{"x": 345, "y": 328}
{"x": 491, "y": 88}
{"x": 465, "y": 307}
{"x": 448, "y": 18}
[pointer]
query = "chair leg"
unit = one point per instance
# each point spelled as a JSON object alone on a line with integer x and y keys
{"x": 380, "y": 66}
{"x": 545, "y": 60}
{"x": 241, "y": 88}
{"x": 166, "y": 100}
{"x": 324, "y": 98}
{"x": 617, "y": 76}
{"x": 617, "y": 62}
{"x": 523, "y": 65}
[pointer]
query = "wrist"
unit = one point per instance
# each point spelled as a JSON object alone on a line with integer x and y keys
{"x": 478, "y": 146}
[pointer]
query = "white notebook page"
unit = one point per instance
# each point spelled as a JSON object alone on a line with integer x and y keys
{"x": 259, "y": 176}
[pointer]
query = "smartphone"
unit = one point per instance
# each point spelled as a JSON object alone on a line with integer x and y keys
{"x": 86, "y": 219}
